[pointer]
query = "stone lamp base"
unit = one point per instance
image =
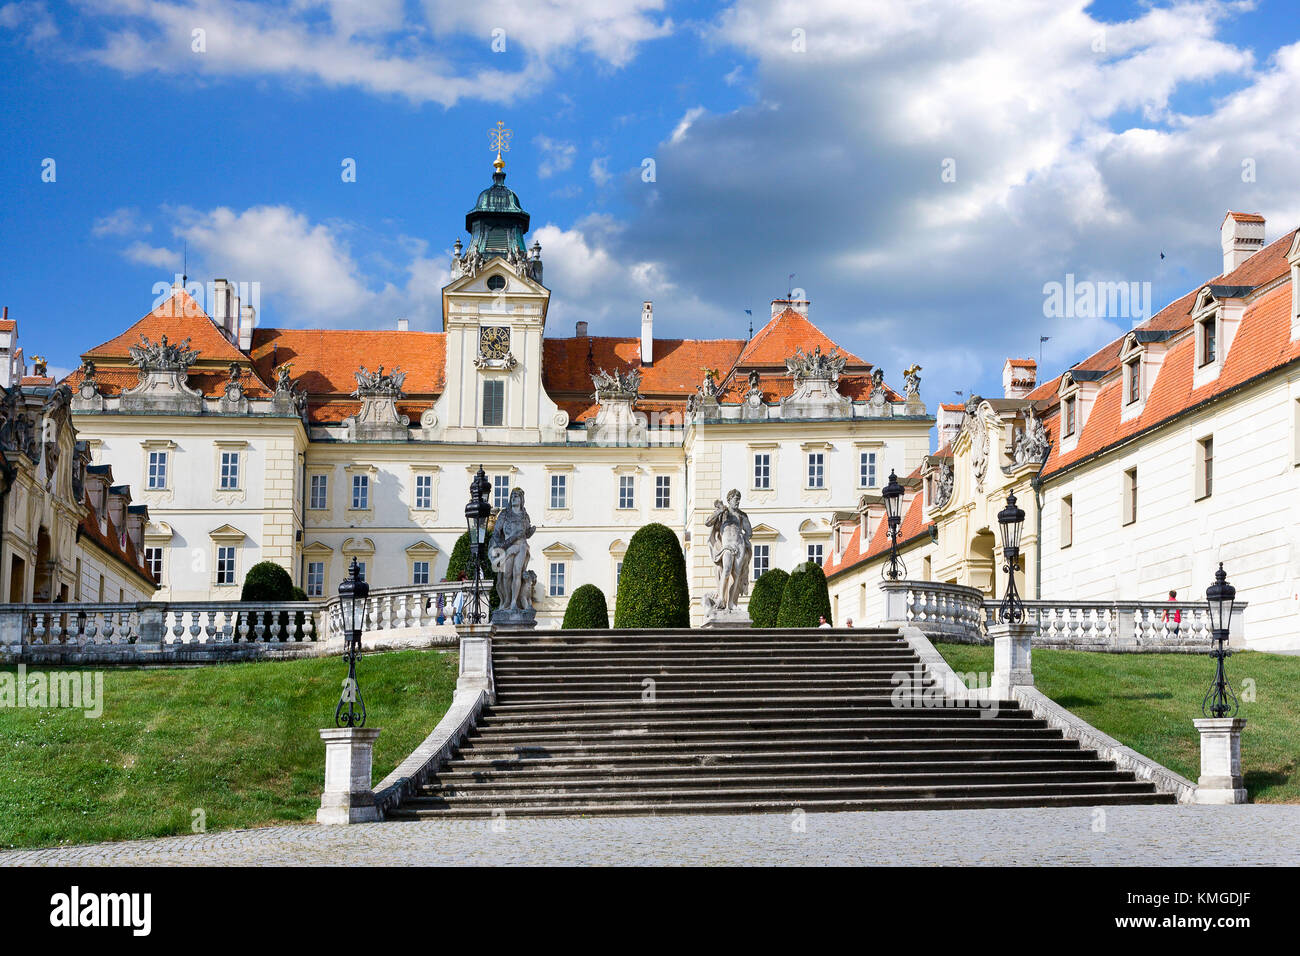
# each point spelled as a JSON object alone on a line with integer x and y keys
{"x": 1220, "y": 781}
{"x": 348, "y": 797}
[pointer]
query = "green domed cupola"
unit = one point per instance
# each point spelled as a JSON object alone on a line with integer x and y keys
{"x": 497, "y": 222}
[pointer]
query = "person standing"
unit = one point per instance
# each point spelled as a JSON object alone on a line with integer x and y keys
{"x": 458, "y": 608}
{"x": 1177, "y": 617}
{"x": 821, "y": 622}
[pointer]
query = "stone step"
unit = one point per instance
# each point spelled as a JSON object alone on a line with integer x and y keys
{"x": 454, "y": 809}
{"x": 452, "y": 786}
{"x": 462, "y": 773}
{"x": 607, "y": 668}
{"x": 596, "y": 705}
{"x": 737, "y": 737}
{"x": 680, "y": 729}
{"x": 646, "y": 717}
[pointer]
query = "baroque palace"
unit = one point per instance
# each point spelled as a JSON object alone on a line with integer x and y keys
{"x": 311, "y": 447}
{"x": 1172, "y": 448}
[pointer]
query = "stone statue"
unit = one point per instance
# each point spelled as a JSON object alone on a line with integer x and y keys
{"x": 508, "y": 555}
{"x": 912, "y": 381}
{"x": 1032, "y": 443}
{"x": 730, "y": 549}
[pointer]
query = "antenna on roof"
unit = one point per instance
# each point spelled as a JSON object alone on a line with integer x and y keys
{"x": 789, "y": 294}
{"x": 750, "y": 313}
{"x": 185, "y": 262}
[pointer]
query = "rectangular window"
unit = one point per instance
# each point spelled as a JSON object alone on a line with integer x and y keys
{"x": 420, "y": 572}
{"x": 361, "y": 570}
{"x": 319, "y": 500}
{"x": 1067, "y": 521}
{"x": 1134, "y": 381}
{"x": 1130, "y": 496}
{"x": 1205, "y": 468}
{"x": 157, "y": 469}
{"x": 663, "y": 491}
{"x": 618, "y": 573}
{"x": 424, "y": 492}
{"x": 360, "y": 492}
{"x": 315, "y": 579}
{"x": 1209, "y": 343}
{"x": 626, "y": 491}
{"x": 500, "y": 491}
{"x": 557, "y": 579}
{"x": 494, "y": 402}
{"x": 762, "y": 470}
{"x": 762, "y": 559}
{"x": 559, "y": 491}
{"x": 867, "y": 469}
{"x": 815, "y": 553}
{"x": 1069, "y": 416}
{"x": 816, "y": 469}
{"x": 226, "y": 565}
{"x": 229, "y": 470}
{"x": 153, "y": 561}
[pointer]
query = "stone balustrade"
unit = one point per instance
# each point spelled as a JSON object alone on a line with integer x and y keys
{"x": 961, "y": 614}
{"x": 400, "y": 608}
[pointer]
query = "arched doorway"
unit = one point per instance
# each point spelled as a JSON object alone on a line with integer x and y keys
{"x": 981, "y": 574}
{"x": 43, "y": 587}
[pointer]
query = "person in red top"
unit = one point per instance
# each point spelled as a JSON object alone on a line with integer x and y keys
{"x": 1178, "y": 615}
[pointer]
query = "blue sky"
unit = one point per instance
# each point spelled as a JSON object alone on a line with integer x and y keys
{"x": 810, "y": 138}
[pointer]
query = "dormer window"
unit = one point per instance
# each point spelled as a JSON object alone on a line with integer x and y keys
{"x": 1069, "y": 415}
{"x": 1133, "y": 378}
{"x": 1208, "y": 345}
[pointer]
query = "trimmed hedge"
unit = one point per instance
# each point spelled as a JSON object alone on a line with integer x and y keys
{"x": 587, "y": 609}
{"x": 804, "y": 598}
{"x": 267, "y": 581}
{"x": 652, "y": 590}
{"x": 765, "y": 599}
{"x": 458, "y": 563}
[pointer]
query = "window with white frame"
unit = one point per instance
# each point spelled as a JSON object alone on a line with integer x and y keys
{"x": 319, "y": 498}
{"x": 153, "y": 560}
{"x": 1133, "y": 375}
{"x": 420, "y": 572}
{"x": 815, "y": 553}
{"x": 559, "y": 491}
{"x": 361, "y": 570}
{"x": 229, "y": 480}
{"x": 500, "y": 491}
{"x": 1209, "y": 346}
{"x": 1130, "y": 503}
{"x": 225, "y": 564}
{"x": 1068, "y": 415}
{"x": 1067, "y": 521}
{"x": 762, "y": 559}
{"x": 816, "y": 469}
{"x": 627, "y": 491}
{"x": 1205, "y": 467}
{"x": 360, "y": 492}
{"x": 157, "y": 478}
{"x": 663, "y": 491}
{"x": 494, "y": 402}
{"x": 315, "y": 579}
{"x": 762, "y": 469}
{"x": 424, "y": 492}
{"x": 867, "y": 469}
{"x": 557, "y": 579}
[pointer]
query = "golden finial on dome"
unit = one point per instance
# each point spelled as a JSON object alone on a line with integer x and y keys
{"x": 499, "y": 140}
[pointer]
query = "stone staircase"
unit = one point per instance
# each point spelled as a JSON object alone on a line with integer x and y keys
{"x": 635, "y": 722}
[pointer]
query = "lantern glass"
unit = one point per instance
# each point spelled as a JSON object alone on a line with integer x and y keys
{"x": 1220, "y": 596}
{"x": 893, "y": 495}
{"x": 352, "y": 598}
{"x": 1011, "y": 520}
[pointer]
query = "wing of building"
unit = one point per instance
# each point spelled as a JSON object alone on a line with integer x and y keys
{"x": 311, "y": 447}
{"x": 1143, "y": 466}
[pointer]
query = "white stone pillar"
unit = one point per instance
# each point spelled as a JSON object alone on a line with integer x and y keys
{"x": 1012, "y": 658}
{"x": 895, "y": 603}
{"x": 476, "y": 661}
{"x": 348, "y": 797}
{"x": 1220, "y": 760}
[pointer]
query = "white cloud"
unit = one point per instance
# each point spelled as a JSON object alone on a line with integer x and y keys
{"x": 123, "y": 221}
{"x": 157, "y": 256}
{"x": 684, "y": 125}
{"x": 438, "y": 52}
{"x": 599, "y": 171}
{"x": 557, "y": 156}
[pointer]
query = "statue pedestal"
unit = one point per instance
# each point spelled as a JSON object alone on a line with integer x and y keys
{"x": 730, "y": 619}
{"x": 512, "y": 620}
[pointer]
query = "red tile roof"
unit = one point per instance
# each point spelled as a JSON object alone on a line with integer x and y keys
{"x": 910, "y": 529}
{"x": 114, "y": 543}
{"x": 786, "y": 331}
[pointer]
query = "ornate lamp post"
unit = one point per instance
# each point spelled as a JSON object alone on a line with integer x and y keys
{"x": 352, "y": 605}
{"x": 1220, "y": 701}
{"x": 893, "y": 495}
{"x": 1011, "y": 520}
{"x": 477, "y": 513}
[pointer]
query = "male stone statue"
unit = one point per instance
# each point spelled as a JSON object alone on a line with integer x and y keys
{"x": 508, "y": 554}
{"x": 730, "y": 549}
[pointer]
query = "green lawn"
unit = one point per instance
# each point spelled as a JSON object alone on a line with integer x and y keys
{"x": 1148, "y": 701}
{"x": 237, "y": 741}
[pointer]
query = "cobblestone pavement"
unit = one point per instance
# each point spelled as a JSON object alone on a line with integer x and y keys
{"x": 1256, "y": 834}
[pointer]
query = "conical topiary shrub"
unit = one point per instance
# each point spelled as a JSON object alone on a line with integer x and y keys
{"x": 586, "y": 610}
{"x": 652, "y": 590}
{"x": 805, "y": 597}
{"x": 765, "y": 599}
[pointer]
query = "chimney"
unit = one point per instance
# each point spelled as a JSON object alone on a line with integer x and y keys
{"x": 247, "y": 320}
{"x": 403, "y": 325}
{"x": 795, "y": 305}
{"x": 1242, "y": 236}
{"x": 950, "y": 418}
{"x": 119, "y": 498}
{"x": 1019, "y": 376}
{"x": 580, "y": 330}
{"x": 647, "y": 333}
{"x": 220, "y": 312}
